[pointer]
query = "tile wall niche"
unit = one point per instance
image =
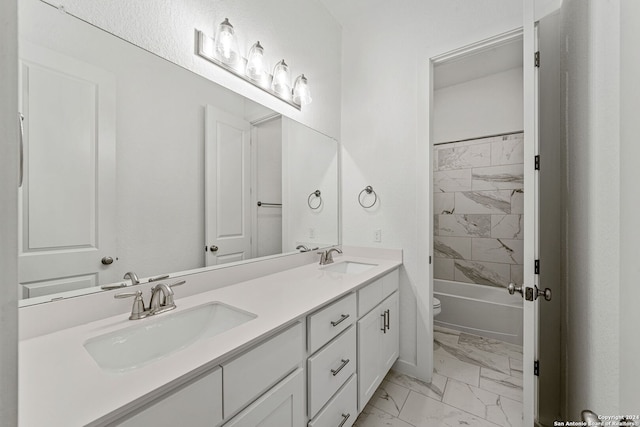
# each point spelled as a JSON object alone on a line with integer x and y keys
{"x": 478, "y": 207}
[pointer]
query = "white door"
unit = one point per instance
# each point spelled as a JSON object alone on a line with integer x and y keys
{"x": 227, "y": 187}
{"x": 67, "y": 200}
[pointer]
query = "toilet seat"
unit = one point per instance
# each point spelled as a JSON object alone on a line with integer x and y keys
{"x": 437, "y": 308}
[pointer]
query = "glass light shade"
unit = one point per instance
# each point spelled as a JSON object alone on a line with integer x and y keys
{"x": 226, "y": 43}
{"x": 281, "y": 80}
{"x": 255, "y": 63}
{"x": 301, "y": 93}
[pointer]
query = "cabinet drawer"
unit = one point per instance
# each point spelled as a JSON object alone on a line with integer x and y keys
{"x": 390, "y": 283}
{"x": 369, "y": 297}
{"x": 342, "y": 408}
{"x": 330, "y": 368}
{"x": 372, "y": 294}
{"x": 330, "y": 321}
{"x": 201, "y": 399}
{"x": 252, "y": 373}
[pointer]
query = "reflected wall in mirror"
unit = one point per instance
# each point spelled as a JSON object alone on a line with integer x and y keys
{"x": 133, "y": 163}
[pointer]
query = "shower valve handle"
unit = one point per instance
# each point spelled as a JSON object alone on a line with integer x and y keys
{"x": 512, "y": 288}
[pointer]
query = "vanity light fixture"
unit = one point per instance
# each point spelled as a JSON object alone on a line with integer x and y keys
{"x": 255, "y": 63}
{"x": 301, "y": 92}
{"x": 223, "y": 51}
{"x": 226, "y": 44}
{"x": 281, "y": 83}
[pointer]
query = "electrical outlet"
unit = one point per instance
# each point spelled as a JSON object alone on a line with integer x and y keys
{"x": 377, "y": 236}
{"x": 312, "y": 233}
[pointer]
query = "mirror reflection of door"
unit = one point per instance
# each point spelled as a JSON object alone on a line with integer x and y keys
{"x": 227, "y": 187}
{"x": 67, "y": 201}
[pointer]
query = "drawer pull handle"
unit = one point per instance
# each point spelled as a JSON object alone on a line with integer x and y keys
{"x": 345, "y": 417}
{"x": 343, "y": 317}
{"x": 334, "y": 372}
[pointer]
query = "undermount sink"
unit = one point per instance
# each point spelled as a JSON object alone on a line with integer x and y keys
{"x": 349, "y": 267}
{"x": 158, "y": 336}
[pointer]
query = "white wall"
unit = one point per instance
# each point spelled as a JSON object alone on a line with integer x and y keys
{"x": 593, "y": 207}
{"x": 481, "y": 107}
{"x": 300, "y": 31}
{"x": 385, "y": 135}
{"x": 629, "y": 207}
{"x": 8, "y": 213}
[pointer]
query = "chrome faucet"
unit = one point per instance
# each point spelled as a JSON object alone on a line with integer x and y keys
{"x": 303, "y": 247}
{"x": 326, "y": 257}
{"x": 133, "y": 277}
{"x": 161, "y": 300}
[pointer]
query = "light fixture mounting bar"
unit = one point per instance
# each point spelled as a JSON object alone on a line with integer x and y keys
{"x": 204, "y": 49}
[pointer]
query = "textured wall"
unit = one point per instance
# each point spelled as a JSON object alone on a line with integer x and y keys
{"x": 478, "y": 206}
{"x": 630, "y": 206}
{"x": 593, "y": 205}
{"x": 300, "y": 31}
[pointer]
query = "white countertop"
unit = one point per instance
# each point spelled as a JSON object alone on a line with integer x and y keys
{"x": 61, "y": 385}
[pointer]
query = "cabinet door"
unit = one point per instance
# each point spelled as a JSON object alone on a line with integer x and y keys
{"x": 199, "y": 402}
{"x": 369, "y": 366}
{"x": 391, "y": 338}
{"x": 282, "y": 406}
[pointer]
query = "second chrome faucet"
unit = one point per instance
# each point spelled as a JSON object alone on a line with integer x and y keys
{"x": 161, "y": 300}
{"x": 326, "y": 257}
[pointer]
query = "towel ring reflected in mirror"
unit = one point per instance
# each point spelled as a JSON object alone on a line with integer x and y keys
{"x": 310, "y": 202}
{"x": 369, "y": 190}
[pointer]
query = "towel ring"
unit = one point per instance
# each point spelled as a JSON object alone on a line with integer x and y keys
{"x": 368, "y": 189}
{"x": 316, "y": 193}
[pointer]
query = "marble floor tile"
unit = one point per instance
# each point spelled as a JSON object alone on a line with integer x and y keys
{"x": 445, "y": 364}
{"x": 434, "y": 389}
{"x": 504, "y": 385}
{"x": 507, "y": 412}
{"x": 516, "y": 367}
{"x": 390, "y": 398}
{"x": 469, "y": 398}
{"x": 475, "y": 356}
{"x": 445, "y": 335}
{"x": 422, "y": 411}
{"x": 490, "y": 345}
{"x": 374, "y": 417}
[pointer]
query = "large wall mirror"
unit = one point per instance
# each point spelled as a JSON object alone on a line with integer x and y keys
{"x": 132, "y": 163}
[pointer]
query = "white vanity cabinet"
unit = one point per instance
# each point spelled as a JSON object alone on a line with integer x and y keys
{"x": 200, "y": 402}
{"x": 331, "y": 367}
{"x": 378, "y": 334}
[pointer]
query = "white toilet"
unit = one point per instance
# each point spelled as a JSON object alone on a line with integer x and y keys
{"x": 437, "y": 308}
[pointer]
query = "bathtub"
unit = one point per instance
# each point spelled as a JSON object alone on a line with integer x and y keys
{"x": 481, "y": 310}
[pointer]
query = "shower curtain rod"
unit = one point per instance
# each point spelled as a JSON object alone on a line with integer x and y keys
{"x": 480, "y": 137}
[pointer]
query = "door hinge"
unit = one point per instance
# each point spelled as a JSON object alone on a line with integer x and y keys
{"x": 536, "y": 162}
{"x": 536, "y": 368}
{"x": 536, "y": 266}
{"x": 429, "y": 259}
{"x": 536, "y": 59}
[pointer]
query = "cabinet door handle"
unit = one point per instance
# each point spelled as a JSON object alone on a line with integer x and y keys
{"x": 343, "y": 317}
{"x": 384, "y": 322}
{"x": 334, "y": 372}
{"x": 387, "y": 316}
{"x": 345, "y": 417}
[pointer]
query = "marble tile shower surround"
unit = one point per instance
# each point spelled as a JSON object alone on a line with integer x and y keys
{"x": 476, "y": 381}
{"x": 478, "y": 210}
